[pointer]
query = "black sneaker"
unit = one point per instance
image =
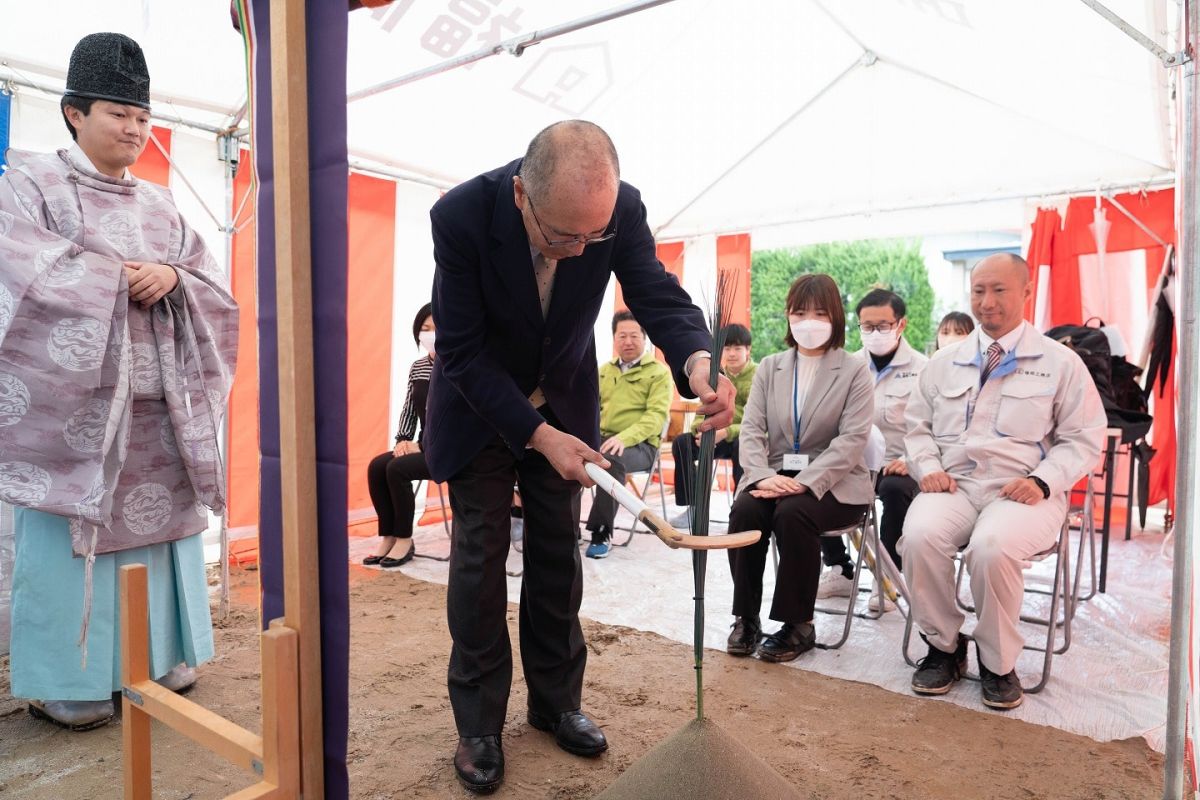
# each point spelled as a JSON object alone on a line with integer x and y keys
{"x": 789, "y": 642}
{"x": 999, "y": 691}
{"x": 744, "y": 638}
{"x": 938, "y": 670}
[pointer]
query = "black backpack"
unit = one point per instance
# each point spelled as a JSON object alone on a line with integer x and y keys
{"x": 1091, "y": 345}
{"x": 1113, "y": 378}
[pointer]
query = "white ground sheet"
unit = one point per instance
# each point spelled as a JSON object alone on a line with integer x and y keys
{"x": 1111, "y": 683}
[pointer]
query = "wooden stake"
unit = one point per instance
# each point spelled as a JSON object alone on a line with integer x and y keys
{"x": 297, "y": 439}
{"x": 281, "y": 722}
{"x": 135, "y": 667}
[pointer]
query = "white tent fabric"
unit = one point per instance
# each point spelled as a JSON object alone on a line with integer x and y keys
{"x": 729, "y": 116}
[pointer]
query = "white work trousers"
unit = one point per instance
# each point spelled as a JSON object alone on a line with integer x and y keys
{"x": 1000, "y": 536}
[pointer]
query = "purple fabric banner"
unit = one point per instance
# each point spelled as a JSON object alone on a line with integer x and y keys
{"x": 328, "y": 170}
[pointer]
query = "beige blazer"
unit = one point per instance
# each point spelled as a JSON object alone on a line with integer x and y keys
{"x": 834, "y": 425}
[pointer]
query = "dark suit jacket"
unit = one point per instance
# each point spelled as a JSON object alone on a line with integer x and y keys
{"x": 493, "y": 346}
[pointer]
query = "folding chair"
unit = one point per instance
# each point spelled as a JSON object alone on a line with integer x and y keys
{"x": 1064, "y": 594}
{"x": 867, "y": 549}
{"x": 445, "y": 520}
{"x": 654, "y": 469}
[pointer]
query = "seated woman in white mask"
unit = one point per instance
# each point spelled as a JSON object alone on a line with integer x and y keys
{"x": 804, "y": 430}
{"x": 390, "y": 475}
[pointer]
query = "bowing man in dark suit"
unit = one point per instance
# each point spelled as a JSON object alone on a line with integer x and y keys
{"x": 523, "y": 255}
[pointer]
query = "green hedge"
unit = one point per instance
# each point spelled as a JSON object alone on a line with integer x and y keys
{"x": 858, "y": 267}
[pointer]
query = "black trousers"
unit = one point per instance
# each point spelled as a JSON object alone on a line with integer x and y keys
{"x": 797, "y": 522}
{"x": 553, "y": 654}
{"x": 389, "y": 481}
{"x": 896, "y": 492}
{"x": 685, "y": 452}
{"x": 604, "y": 509}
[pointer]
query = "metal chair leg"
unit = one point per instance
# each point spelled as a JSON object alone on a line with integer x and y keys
{"x": 445, "y": 526}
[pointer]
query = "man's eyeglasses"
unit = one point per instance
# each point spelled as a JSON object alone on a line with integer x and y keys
{"x": 883, "y": 327}
{"x": 570, "y": 241}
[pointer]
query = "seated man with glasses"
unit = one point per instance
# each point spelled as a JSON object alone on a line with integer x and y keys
{"x": 523, "y": 256}
{"x": 895, "y": 366}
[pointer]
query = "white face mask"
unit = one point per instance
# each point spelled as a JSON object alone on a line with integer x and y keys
{"x": 947, "y": 339}
{"x": 879, "y": 343}
{"x": 811, "y": 334}
{"x": 426, "y": 339}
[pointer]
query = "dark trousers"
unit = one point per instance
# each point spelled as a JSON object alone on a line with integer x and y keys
{"x": 896, "y": 492}
{"x": 604, "y": 509}
{"x": 797, "y": 522}
{"x": 685, "y": 452}
{"x": 553, "y": 654}
{"x": 389, "y": 481}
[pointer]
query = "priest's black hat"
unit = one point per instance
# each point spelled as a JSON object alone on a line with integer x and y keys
{"x": 109, "y": 66}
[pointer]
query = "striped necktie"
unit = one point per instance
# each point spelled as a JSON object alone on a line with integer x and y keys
{"x": 994, "y": 353}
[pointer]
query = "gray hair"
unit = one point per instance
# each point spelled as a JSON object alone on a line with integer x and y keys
{"x": 576, "y": 138}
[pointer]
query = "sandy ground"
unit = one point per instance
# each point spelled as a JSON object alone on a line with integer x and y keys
{"x": 830, "y": 738}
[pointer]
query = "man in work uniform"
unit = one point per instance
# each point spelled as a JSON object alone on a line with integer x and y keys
{"x": 896, "y": 367}
{"x": 1001, "y": 426}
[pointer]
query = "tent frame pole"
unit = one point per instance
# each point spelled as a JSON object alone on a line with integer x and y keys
{"x": 1168, "y": 59}
{"x": 1186, "y": 521}
{"x": 514, "y": 47}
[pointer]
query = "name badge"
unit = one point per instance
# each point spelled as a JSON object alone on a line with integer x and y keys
{"x": 794, "y": 462}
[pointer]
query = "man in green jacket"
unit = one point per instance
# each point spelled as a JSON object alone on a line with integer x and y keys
{"x": 635, "y": 398}
{"x": 739, "y": 368}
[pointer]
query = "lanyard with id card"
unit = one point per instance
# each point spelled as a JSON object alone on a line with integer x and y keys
{"x": 795, "y": 461}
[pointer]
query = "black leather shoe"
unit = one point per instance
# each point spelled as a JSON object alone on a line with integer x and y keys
{"x": 573, "y": 731}
{"x": 479, "y": 763}
{"x": 389, "y": 563}
{"x": 788, "y": 642}
{"x": 745, "y": 636}
{"x": 371, "y": 561}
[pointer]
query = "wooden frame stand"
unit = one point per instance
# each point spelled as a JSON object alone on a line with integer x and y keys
{"x": 275, "y": 756}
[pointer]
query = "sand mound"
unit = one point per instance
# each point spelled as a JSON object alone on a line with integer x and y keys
{"x": 700, "y": 760}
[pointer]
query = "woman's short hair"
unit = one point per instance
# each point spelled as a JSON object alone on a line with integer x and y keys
{"x": 958, "y": 322}
{"x": 818, "y": 291}
{"x": 425, "y": 313}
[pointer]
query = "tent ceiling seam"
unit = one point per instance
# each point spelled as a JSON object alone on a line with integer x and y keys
{"x": 515, "y": 47}
{"x": 864, "y": 59}
{"x": 996, "y": 104}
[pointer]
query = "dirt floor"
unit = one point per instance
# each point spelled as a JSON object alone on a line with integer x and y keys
{"x": 830, "y": 738}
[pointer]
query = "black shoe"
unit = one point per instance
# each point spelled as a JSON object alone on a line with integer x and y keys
{"x": 787, "y": 643}
{"x": 389, "y": 563}
{"x": 371, "y": 561}
{"x": 479, "y": 763}
{"x": 938, "y": 670}
{"x": 999, "y": 691}
{"x": 745, "y": 636}
{"x": 573, "y": 731}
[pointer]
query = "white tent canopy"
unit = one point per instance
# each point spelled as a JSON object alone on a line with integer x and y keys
{"x": 730, "y": 116}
